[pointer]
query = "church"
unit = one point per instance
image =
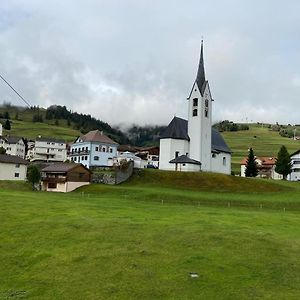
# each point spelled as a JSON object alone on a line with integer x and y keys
{"x": 193, "y": 145}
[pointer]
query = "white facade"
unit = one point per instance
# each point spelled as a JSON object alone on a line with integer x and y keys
{"x": 138, "y": 163}
{"x": 92, "y": 153}
{"x": 295, "y": 160}
{"x": 48, "y": 150}
{"x": 221, "y": 163}
{"x": 64, "y": 187}
{"x": 12, "y": 171}
{"x": 169, "y": 149}
{"x": 199, "y": 126}
{"x": 13, "y": 146}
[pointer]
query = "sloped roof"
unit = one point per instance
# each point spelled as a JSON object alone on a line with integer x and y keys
{"x": 296, "y": 152}
{"x": 217, "y": 142}
{"x": 265, "y": 160}
{"x": 12, "y": 159}
{"x": 62, "y": 167}
{"x": 97, "y": 136}
{"x": 183, "y": 159}
{"x": 51, "y": 140}
{"x": 13, "y": 139}
{"x": 177, "y": 129}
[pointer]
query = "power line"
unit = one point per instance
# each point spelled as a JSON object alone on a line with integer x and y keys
{"x": 15, "y": 91}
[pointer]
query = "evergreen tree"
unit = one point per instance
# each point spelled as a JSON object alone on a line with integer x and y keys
{"x": 33, "y": 175}
{"x": 283, "y": 162}
{"x": 2, "y": 150}
{"x": 251, "y": 165}
{"x": 7, "y": 125}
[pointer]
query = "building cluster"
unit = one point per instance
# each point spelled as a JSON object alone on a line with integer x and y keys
{"x": 190, "y": 145}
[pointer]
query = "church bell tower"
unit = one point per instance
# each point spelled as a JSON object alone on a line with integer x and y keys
{"x": 199, "y": 118}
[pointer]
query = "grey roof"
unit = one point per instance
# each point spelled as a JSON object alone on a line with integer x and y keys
{"x": 61, "y": 167}
{"x": 217, "y": 142}
{"x": 177, "y": 129}
{"x": 13, "y": 159}
{"x": 51, "y": 140}
{"x": 200, "y": 79}
{"x": 13, "y": 139}
{"x": 183, "y": 159}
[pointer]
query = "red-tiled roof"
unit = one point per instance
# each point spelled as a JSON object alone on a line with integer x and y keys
{"x": 97, "y": 136}
{"x": 265, "y": 160}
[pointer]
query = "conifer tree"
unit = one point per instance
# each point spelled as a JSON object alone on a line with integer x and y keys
{"x": 7, "y": 125}
{"x": 251, "y": 165}
{"x": 283, "y": 163}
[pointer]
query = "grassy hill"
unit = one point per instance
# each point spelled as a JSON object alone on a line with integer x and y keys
{"x": 263, "y": 141}
{"x": 124, "y": 242}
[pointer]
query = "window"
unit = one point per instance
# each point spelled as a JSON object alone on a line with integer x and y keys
{"x": 17, "y": 165}
{"x": 86, "y": 148}
{"x": 17, "y": 175}
{"x": 96, "y": 157}
{"x": 52, "y": 185}
{"x": 214, "y": 155}
{"x": 195, "y": 112}
{"x": 110, "y": 150}
{"x": 86, "y": 158}
{"x": 82, "y": 158}
{"x": 224, "y": 161}
{"x": 96, "y": 148}
{"x": 206, "y": 108}
{"x": 176, "y": 154}
{"x": 103, "y": 149}
{"x": 195, "y": 102}
{"x": 75, "y": 158}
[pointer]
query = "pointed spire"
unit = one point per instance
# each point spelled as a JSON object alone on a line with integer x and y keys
{"x": 200, "y": 79}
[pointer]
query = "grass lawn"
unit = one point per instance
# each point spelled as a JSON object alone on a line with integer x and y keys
{"x": 107, "y": 242}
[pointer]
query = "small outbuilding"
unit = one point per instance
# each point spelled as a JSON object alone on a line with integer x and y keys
{"x": 65, "y": 177}
{"x": 12, "y": 167}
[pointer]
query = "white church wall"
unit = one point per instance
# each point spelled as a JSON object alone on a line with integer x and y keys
{"x": 221, "y": 163}
{"x": 167, "y": 150}
{"x": 199, "y": 127}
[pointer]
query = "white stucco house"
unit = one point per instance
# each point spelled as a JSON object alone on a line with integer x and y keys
{"x": 13, "y": 145}
{"x": 48, "y": 150}
{"x": 93, "y": 149}
{"x": 295, "y": 161}
{"x": 193, "y": 145}
{"x": 12, "y": 167}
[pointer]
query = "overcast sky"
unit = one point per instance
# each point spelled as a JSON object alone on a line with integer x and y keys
{"x": 134, "y": 61}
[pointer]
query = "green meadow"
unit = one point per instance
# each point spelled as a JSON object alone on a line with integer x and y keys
{"x": 144, "y": 238}
{"x": 264, "y": 142}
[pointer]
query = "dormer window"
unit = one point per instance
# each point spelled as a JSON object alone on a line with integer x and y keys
{"x": 195, "y": 112}
{"x": 195, "y": 102}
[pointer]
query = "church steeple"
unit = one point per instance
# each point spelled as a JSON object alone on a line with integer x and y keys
{"x": 200, "y": 79}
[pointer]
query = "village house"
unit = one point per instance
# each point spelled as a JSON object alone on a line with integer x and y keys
{"x": 192, "y": 145}
{"x": 295, "y": 162}
{"x": 64, "y": 177}
{"x": 12, "y": 167}
{"x": 13, "y": 145}
{"x": 142, "y": 156}
{"x": 93, "y": 149}
{"x": 48, "y": 150}
{"x": 265, "y": 165}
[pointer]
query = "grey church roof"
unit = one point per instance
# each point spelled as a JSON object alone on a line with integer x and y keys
{"x": 178, "y": 129}
{"x": 217, "y": 142}
{"x": 200, "y": 79}
{"x": 183, "y": 159}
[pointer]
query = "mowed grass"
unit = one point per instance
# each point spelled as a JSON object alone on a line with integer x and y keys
{"x": 263, "y": 141}
{"x": 120, "y": 242}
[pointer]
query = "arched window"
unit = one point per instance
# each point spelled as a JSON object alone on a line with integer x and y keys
{"x": 195, "y": 102}
{"x": 195, "y": 112}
